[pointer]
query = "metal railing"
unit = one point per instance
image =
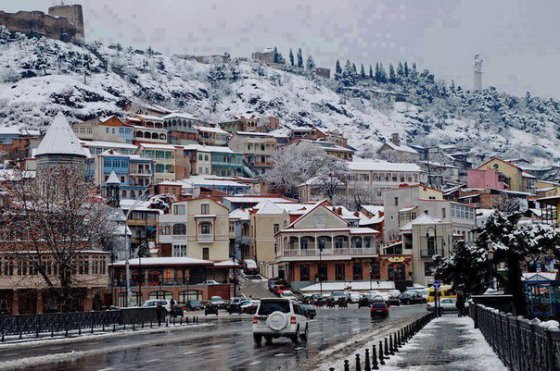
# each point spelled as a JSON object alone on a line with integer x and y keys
{"x": 522, "y": 344}
{"x": 327, "y": 252}
{"x": 94, "y": 321}
{"x": 428, "y": 253}
{"x": 205, "y": 238}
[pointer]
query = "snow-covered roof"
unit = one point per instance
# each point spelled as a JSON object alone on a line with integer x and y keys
{"x": 422, "y": 219}
{"x": 138, "y": 206}
{"x": 16, "y": 130}
{"x": 98, "y": 143}
{"x": 207, "y": 129}
{"x": 250, "y": 263}
{"x": 60, "y": 139}
{"x": 527, "y": 175}
{"x": 203, "y": 148}
{"x": 539, "y": 276}
{"x": 374, "y": 209}
{"x": 363, "y": 231}
{"x": 269, "y": 207}
{"x": 401, "y": 148}
{"x": 210, "y": 180}
{"x": 405, "y": 209}
{"x": 162, "y": 261}
{"x": 159, "y": 146}
{"x": 254, "y": 133}
{"x": 379, "y": 165}
{"x": 113, "y": 179}
{"x": 256, "y": 199}
{"x": 239, "y": 214}
{"x": 149, "y": 117}
{"x": 226, "y": 264}
{"x": 181, "y": 115}
{"x": 170, "y": 183}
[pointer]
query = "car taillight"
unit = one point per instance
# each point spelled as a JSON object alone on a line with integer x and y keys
{"x": 255, "y": 319}
{"x": 293, "y": 320}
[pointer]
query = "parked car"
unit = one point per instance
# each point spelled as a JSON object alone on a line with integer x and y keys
{"x": 277, "y": 281}
{"x": 210, "y": 309}
{"x": 392, "y": 300}
{"x": 176, "y": 310}
{"x": 308, "y": 311}
{"x": 338, "y": 294}
{"x": 353, "y": 297}
{"x": 153, "y": 303}
{"x": 210, "y": 283}
{"x": 234, "y": 306}
{"x": 249, "y": 306}
{"x": 364, "y": 302}
{"x": 250, "y": 267}
{"x": 379, "y": 310}
{"x": 193, "y": 305}
{"x": 278, "y": 289}
{"x": 287, "y": 294}
{"x": 279, "y": 318}
{"x": 445, "y": 305}
{"x": 217, "y": 301}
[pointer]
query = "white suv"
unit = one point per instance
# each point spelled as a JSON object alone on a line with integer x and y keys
{"x": 152, "y": 303}
{"x": 279, "y": 317}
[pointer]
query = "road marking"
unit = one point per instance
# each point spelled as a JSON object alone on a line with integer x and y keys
{"x": 106, "y": 369}
{"x": 279, "y": 355}
{"x": 254, "y": 363}
{"x": 153, "y": 360}
{"x": 189, "y": 352}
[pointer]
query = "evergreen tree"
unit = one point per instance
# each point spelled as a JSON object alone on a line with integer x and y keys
{"x": 382, "y": 73}
{"x": 392, "y": 75}
{"x": 354, "y": 68}
{"x": 370, "y": 72}
{"x": 291, "y": 58}
{"x": 406, "y": 69}
{"x": 400, "y": 69}
{"x": 362, "y": 72}
{"x": 310, "y": 64}
{"x": 348, "y": 75}
{"x": 377, "y": 72}
{"x": 278, "y": 58}
{"x": 337, "y": 71}
{"x": 299, "y": 58}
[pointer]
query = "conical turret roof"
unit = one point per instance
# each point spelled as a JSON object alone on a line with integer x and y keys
{"x": 113, "y": 179}
{"x": 60, "y": 139}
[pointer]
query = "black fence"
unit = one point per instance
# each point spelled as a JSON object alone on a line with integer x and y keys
{"x": 375, "y": 358}
{"x": 56, "y": 323}
{"x": 521, "y": 344}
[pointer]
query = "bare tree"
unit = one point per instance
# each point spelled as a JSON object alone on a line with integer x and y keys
{"x": 50, "y": 224}
{"x": 357, "y": 193}
{"x": 331, "y": 177}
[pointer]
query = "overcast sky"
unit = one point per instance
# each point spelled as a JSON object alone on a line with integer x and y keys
{"x": 518, "y": 40}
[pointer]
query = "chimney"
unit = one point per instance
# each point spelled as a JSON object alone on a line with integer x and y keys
{"x": 395, "y": 139}
{"x": 339, "y": 211}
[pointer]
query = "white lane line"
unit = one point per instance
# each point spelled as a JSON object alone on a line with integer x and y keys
{"x": 106, "y": 369}
{"x": 254, "y": 363}
{"x": 153, "y": 360}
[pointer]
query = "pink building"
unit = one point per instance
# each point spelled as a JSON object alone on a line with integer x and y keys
{"x": 484, "y": 179}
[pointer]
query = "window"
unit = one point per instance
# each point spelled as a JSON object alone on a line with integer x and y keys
{"x": 179, "y": 229}
{"x": 443, "y": 213}
{"x": 357, "y": 273}
{"x": 179, "y": 209}
{"x": 276, "y": 228}
{"x": 205, "y": 157}
{"x": 396, "y": 201}
{"x": 304, "y": 272}
{"x": 179, "y": 250}
{"x": 165, "y": 229}
{"x": 428, "y": 269}
{"x": 205, "y": 228}
{"x": 205, "y": 253}
{"x": 322, "y": 272}
{"x": 375, "y": 270}
{"x": 205, "y": 209}
{"x": 339, "y": 270}
{"x": 199, "y": 157}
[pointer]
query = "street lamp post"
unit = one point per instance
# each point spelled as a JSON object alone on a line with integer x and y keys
{"x": 370, "y": 274}
{"x": 321, "y": 247}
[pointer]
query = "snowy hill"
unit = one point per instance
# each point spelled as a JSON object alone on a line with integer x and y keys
{"x": 39, "y": 77}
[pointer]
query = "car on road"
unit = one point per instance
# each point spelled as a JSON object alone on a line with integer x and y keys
{"x": 444, "y": 305}
{"x": 210, "y": 283}
{"x": 279, "y": 317}
{"x": 308, "y": 311}
{"x": 379, "y": 310}
{"x": 192, "y": 305}
{"x": 249, "y": 306}
{"x": 411, "y": 298}
{"x": 153, "y": 303}
{"x": 337, "y": 294}
{"x": 209, "y": 309}
{"x": 217, "y": 301}
{"x": 353, "y": 297}
{"x": 287, "y": 294}
{"x": 250, "y": 267}
{"x": 279, "y": 289}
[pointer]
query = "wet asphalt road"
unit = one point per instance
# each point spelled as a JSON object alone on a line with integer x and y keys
{"x": 224, "y": 345}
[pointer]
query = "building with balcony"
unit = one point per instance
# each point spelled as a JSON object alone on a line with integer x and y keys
{"x": 105, "y": 129}
{"x": 97, "y": 147}
{"x": 172, "y": 231}
{"x": 208, "y": 229}
{"x": 177, "y": 278}
{"x": 257, "y": 149}
{"x": 239, "y": 233}
{"x": 182, "y": 128}
{"x": 320, "y": 244}
{"x": 170, "y": 162}
{"x": 212, "y": 135}
{"x": 142, "y": 222}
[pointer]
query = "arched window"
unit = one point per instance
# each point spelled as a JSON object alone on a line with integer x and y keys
{"x": 184, "y": 296}
{"x": 139, "y": 134}
{"x": 154, "y": 136}
{"x": 179, "y": 229}
{"x": 147, "y": 135}
{"x": 162, "y": 136}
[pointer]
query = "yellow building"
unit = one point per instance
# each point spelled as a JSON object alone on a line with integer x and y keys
{"x": 516, "y": 179}
{"x": 207, "y": 229}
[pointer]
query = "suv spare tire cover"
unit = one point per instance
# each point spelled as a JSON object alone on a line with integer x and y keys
{"x": 277, "y": 321}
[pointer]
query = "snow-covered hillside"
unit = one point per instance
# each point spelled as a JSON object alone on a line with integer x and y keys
{"x": 39, "y": 77}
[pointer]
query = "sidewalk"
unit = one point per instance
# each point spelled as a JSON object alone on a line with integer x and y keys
{"x": 446, "y": 343}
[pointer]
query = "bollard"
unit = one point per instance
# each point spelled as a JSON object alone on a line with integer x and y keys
{"x": 187, "y": 320}
{"x": 386, "y": 349}
{"x": 358, "y": 363}
{"x": 367, "y": 366}
{"x": 151, "y": 324}
{"x": 92, "y": 324}
{"x": 52, "y": 331}
{"x": 142, "y": 323}
{"x": 399, "y": 339}
{"x": 2, "y": 340}
{"x": 403, "y": 336}
{"x": 124, "y": 325}
{"x": 167, "y": 323}
{"x": 103, "y": 326}
{"x": 133, "y": 326}
{"x": 79, "y": 328}
{"x": 391, "y": 346}
{"x": 395, "y": 349}
{"x": 374, "y": 365}
{"x": 114, "y": 327}
{"x": 181, "y": 322}
{"x": 346, "y": 365}
{"x": 381, "y": 357}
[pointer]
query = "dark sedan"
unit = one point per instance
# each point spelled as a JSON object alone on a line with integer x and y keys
{"x": 308, "y": 311}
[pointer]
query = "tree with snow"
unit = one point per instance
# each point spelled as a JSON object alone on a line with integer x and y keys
{"x": 370, "y": 73}
{"x": 392, "y": 75}
{"x": 216, "y": 74}
{"x": 406, "y": 71}
{"x": 349, "y": 78}
{"x": 292, "y": 58}
{"x": 362, "y": 72}
{"x": 513, "y": 244}
{"x": 357, "y": 193}
{"x": 331, "y": 177}
{"x": 278, "y": 58}
{"x": 400, "y": 69}
{"x": 337, "y": 71}
{"x": 294, "y": 165}
{"x": 467, "y": 267}
{"x": 310, "y": 64}
{"x": 300, "y": 58}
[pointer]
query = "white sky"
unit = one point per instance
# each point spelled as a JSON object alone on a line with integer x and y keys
{"x": 518, "y": 40}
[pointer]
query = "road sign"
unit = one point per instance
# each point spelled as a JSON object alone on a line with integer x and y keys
{"x": 436, "y": 284}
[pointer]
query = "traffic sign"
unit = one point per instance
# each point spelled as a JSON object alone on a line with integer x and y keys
{"x": 436, "y": 284}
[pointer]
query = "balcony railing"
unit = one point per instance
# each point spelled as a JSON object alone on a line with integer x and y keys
{"x": 329, "y": 252}
{"x": 428, "y": 253}
{"x": 205, "y": 238}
